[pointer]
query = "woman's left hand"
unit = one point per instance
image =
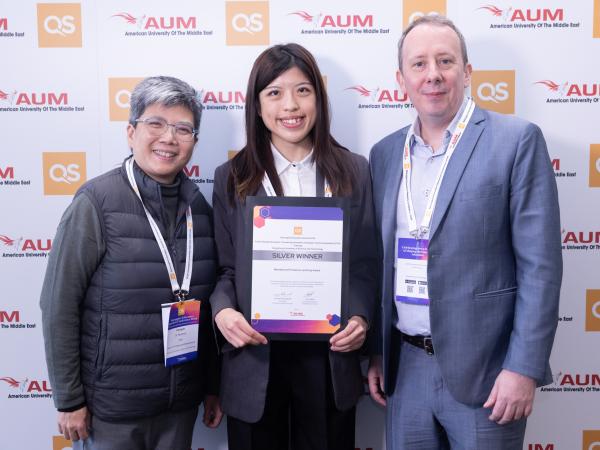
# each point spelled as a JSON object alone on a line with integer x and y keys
{"x": 212, "y": 411}
{"x": 350, "y": 338}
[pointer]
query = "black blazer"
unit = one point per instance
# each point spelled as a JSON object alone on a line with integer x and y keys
{"x": 245, "y": 371}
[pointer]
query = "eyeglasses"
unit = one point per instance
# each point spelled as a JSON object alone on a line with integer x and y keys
{"x": 156, "y": 126}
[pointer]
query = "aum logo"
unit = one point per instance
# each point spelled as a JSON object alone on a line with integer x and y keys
{"x": 28, "y": 386}
{"x": 145, "y": 22}
{"x": 525, "y": 14}
{"x": 378, "y": 95}
{"x": 335, "y": 20}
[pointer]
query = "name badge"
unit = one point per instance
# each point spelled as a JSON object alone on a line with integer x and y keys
{"x": 180, "y": 321}
{"x": 411, "y": 271}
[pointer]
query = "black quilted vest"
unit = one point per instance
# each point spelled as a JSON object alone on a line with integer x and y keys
{"x": 122, "y": 366}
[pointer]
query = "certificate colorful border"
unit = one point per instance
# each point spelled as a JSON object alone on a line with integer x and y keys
{"x": 294, "y": 326}
{"x": 297, "y": 328}
{"x": 263, "y": 212}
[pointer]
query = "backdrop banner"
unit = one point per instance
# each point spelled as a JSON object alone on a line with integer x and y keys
{"x": 67, "y": 73}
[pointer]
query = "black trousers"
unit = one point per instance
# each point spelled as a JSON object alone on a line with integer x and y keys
{"x": 300, "y": 412}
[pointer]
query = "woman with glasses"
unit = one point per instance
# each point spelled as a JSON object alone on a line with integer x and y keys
{"x": 135, "y": 242}
{"x": 290, "y": 394}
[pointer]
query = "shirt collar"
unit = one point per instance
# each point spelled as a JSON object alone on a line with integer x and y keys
{"x": 281, "y": 163}
{"x": 414, "y": 131}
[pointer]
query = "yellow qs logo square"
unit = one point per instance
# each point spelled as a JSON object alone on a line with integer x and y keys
{"x": 60, "y": 443}
{"x": 119, "y": 95}
{"x": 592, "y": 314}
{"x": 247, "y": 23}
{"x": 591, "y": 440}
{"x": 64, "y": 172}
{"x": 59, "y": 25}
{"x": 596, "y": 19}
{"x": 595, "y": 165}
{"x": 494, "y": 90}
{"x": 413, "y": 9}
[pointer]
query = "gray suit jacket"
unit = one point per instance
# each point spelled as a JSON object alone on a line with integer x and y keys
{"x": 495, "y": 265}
{"x": 245, "y": 371}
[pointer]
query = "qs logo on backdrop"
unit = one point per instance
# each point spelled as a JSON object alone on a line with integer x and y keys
{"x": 64, "y": 172}
{"x": 592, "y": 311}
{"x": 247, "y": 23}
{"x": 60, "y": 443}
{"x": 494, "y": 90}
{"x": 595, "y": 166}
{"x": 119, "y": 95}
{"x": 591, "y": 440}
{"x": 231, "y": 153}
{"x": 59, "y": 24}
{"x": 596, "y": 19}
{"x": 413, "y": 9}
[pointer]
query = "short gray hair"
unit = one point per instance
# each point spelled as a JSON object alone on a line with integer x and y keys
{"x": 436, "y": 20}
{"x": 165, "y": 91}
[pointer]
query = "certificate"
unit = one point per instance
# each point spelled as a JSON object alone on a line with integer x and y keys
{"x": 298, "y": 265}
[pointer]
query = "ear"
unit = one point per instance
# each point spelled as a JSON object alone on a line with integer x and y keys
{"x": 130, "y": 135}
{"x": 468, "y": 73}
{"x": 400, "y": 80}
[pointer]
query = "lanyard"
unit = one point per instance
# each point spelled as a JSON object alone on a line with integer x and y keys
{"x": 423, "y": 229}
{"x": 270, "y": 190}
{"x": 183, "y": 291}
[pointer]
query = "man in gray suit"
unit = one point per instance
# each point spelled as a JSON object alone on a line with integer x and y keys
{"x": 466, "y": 205}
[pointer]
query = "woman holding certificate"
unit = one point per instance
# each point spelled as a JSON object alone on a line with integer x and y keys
{"x": 298, "y": 391}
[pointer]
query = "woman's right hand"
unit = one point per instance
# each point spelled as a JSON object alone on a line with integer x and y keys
{"x": 236, "y": 329}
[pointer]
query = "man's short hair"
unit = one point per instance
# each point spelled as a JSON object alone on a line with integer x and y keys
{"x": 437, "y": 20}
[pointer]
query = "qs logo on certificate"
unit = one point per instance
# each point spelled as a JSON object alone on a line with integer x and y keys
{"x": 413, "y": 9}
{"x": 494, "y": 90}
{"x": 247, "y": 23}
{"x": 64, "y": 172}
{"x": 59, "y": 24}
{"x": 119, "y": 96}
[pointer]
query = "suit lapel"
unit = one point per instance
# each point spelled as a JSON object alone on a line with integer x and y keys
{"x": 320, "y": 188}
{"x": 261, "y": 192}
{"x": 392, "y": 187}
{"x": 456, "y": 167}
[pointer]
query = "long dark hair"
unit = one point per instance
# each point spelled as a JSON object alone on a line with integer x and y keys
{"x": 250, "y": 164}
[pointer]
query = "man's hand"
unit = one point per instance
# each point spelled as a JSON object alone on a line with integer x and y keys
{"x": 236, "y": 329}
{"x": 212, "y": 411}
{"x": 375, "y": 377}
{"x": 74, "y": 425}
{"x": 350, "y": 338}
{"x": 511, "y": 397}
